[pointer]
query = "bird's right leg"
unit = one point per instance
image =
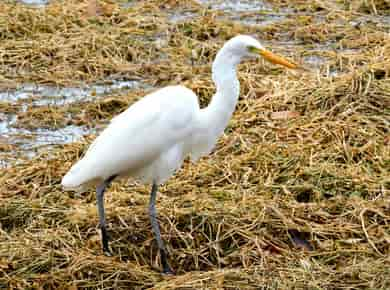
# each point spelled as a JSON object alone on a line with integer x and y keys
{"x": 100, "y": 189}
{"x": 156, "y": 230}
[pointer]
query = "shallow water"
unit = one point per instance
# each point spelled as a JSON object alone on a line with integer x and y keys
{"x": 51, "y": 95}
{"x": 235, "y": 5}
{"x": 380, "y": 21}
{"x": 32, "y": 139}
{"x": 182, "y": 16}
{"x": 6, "y": 121}
{"x": 37, "y": 3}
{"x": 256, "y": 13}
{"x": 314, "y": 60}
{"x": 27, "y": 141}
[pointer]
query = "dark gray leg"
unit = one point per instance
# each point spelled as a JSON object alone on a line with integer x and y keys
{"x": 156, "y": 230}
{"x": 102, "y": 216}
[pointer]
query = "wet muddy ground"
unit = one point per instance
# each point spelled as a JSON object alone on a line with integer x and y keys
{"x": 296, "y": 194}
{"x": 26, "y": 138}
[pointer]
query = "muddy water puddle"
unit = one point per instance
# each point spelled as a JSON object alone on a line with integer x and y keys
{"x": 35, "y": 3}
{"x": 30, "y": 140}
{"x": 52, "y": 95}
{"x": 26, "y": 141}
{"x": 235, "y": 5}
{"x": 246, "y": 12}
{"x": 182, "y": 16}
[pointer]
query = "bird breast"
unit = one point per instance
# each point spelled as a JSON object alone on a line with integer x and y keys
{"x": 162, "y": 168}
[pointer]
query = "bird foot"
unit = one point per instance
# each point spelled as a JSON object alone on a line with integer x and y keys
{"x": 168, "y": 271}
{"x": 107, "y": 252}
{"x": 105, "y": 239}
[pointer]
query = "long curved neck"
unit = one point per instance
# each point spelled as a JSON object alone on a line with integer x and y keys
{"x": 224, "y": 101}
{"x": 214, "y": 118}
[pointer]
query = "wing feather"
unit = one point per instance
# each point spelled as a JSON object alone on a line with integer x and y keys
{"x": 137, "y": 136}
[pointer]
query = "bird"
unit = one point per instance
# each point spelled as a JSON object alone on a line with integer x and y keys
{"x": 149, "y": 141}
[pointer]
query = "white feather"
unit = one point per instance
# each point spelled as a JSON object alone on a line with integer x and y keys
{"x": 137, "y": 138}
{"x": 151, "y": 138}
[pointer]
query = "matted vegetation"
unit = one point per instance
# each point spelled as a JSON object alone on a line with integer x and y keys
{"x": 296, "y": 194}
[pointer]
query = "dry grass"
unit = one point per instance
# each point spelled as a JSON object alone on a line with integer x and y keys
{"x": 292, "y": 200}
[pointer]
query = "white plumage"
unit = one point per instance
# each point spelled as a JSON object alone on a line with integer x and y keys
{"x": 148, "y": 141}
{"x": 151, "y": 138}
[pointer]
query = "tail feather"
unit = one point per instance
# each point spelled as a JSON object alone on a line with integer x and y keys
{"x": 73, "y": 179}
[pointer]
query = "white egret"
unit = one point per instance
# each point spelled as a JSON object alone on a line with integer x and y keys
{"x": 151, "y": 138}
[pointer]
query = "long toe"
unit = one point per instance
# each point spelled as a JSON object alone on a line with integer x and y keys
{"x": 168, "y": 271}
{"x": 107, "y": 252}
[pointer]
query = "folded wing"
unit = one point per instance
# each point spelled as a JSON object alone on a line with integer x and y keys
{"x": 137, "y": 136}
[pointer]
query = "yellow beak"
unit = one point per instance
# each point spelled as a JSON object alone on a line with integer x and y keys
{"x": 276, "y": 59}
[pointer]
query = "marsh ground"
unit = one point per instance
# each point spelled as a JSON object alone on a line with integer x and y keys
{"x": 296, "y": 194}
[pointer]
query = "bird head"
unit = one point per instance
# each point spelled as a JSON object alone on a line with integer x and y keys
{"x": 244, "y": 46}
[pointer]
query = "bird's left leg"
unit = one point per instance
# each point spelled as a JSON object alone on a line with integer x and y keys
{"x": 156, "y": 230}
{"x": 100, "y": 189}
